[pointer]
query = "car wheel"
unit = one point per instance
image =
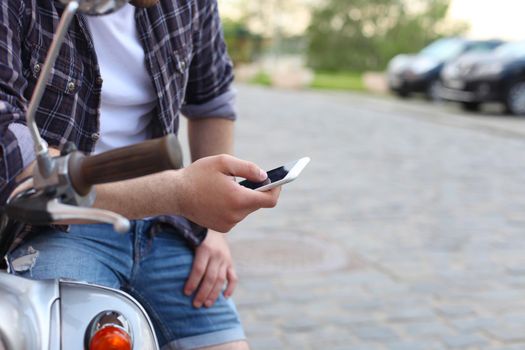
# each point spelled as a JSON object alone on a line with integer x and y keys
{"x": 515, "y": 99}
{"x": 470, "y": 106}
{"x": 433, "y": 91}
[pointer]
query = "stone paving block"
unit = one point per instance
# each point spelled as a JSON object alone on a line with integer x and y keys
{"x": 507, "y": 334}
{"x": 275, "y": 311}
{"x": 507, "y": 347}
{"x": 472, "y": 325}
{"x": 500, "y": 295}
{"x": 298, "y": 324}
{"x": 349, "y": 319}
{"x": 425, "y": 330}
{"x": 298, "y": 341}
{"x": 252, "y": 300}
{"x": 330, "y": 338}
{"x": 366, "y": 305}
{"x": 374, "y": 333}
{"x": 336, "y": 292}
{"x": 517, "y": 270}
{"x": 357, "y": 346}
{"x": 260, "y": 328}
{"x": 426, "y": 287}
{"x": 256, "y": 285}
{"x": 515, "y": 280}
{"x": 465, "y": 341}
{"x": 455, "y": 310}
{"x": 299, "y": 296}
{"x": 411, "y": 314}
{"x": 411, "y": 345}
{"x": 266, "y": 343}
{"x": 516, "y": 317}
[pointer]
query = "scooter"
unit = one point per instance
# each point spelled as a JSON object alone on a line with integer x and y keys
{"x": 65, "y": 314}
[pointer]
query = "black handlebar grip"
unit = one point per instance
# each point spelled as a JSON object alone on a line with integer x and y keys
{"x": 124, "y": 163}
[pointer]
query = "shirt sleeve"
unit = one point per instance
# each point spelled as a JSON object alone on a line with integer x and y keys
{"x": 211, "y": 69}
{"x": 222, "y": 106}
{"x": 16, "y": 145}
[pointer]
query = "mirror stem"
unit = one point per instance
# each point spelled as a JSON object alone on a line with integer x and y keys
{"x": 44, "y": 160}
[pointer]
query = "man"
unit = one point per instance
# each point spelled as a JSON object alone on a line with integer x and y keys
{"x": 121, "y": 79}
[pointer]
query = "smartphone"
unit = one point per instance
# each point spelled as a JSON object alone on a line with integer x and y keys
{"x": 278, "y": 176}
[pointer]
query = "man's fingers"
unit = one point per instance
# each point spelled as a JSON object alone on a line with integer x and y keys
{"x": 197, "y": 273}
{"x": 231, "y": 276}
{"x": 207, "y": 284}
{"x": 219, "y": 285}
{"x": 266, "y": 199}
{"x": 242, "y": 168}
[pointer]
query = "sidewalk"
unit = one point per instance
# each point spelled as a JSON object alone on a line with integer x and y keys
{"x": 406, "y": 231}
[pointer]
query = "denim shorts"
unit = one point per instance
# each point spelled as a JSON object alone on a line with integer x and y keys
{"x": 151, "y": 269}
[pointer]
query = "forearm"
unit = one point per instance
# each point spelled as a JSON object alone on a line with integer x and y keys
{"x": 136, "y": 198}
{"x": 210, "y": 136}
{"x": 204, "y": 192}
{"x": 141, "y": 197}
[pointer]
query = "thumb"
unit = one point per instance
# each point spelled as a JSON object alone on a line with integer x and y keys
{"x": 243, "y": 168}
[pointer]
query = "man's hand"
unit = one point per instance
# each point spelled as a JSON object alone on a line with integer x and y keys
{"x": 205, "y": 192}
{"x": 27, "y": 172}
{"x": 212, "y": 268}
{"x": 208, "y": 194}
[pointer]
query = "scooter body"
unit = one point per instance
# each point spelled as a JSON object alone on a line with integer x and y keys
{"x": 61, "y": 314}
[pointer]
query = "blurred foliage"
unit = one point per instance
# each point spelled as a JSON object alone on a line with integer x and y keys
{"x": 338, "y": 81}
{"x": 262, "y": 78}
{"x": 360, "y": 35}
{"x": 243, "y": 45}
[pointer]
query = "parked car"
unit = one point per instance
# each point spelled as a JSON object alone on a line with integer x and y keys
{"x": 420, "y": 73}
{"x": 495, "y": 77}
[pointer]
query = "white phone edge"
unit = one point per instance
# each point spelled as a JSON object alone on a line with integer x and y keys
{"x": 292, "y": 175}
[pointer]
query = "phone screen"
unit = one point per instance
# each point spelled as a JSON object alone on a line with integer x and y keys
{"x": 273, "y": 176}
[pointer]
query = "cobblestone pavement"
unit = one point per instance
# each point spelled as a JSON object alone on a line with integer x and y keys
{"x": 406, "y": 231}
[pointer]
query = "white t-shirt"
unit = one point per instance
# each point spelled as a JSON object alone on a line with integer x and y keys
{"x": 128, "y": 96}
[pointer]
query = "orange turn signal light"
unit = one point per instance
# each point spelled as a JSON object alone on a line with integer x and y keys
{"x": 110, "y": 338}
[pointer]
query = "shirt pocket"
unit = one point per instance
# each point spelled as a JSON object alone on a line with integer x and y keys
{"x": 66, "y": 75}
{"x": 62, "y": 102}
{"x": 177, "y": 70}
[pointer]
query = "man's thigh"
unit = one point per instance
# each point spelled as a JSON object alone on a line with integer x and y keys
{"x": 159, "y": 283}
{"x": 84, "y": 253}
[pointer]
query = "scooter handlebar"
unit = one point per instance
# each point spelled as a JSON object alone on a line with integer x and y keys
{"x": 124, "y": 163}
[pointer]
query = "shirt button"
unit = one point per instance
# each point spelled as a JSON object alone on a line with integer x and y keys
{"x": 95, "y": 136}
{"x": 182, "y": 66}
{"x": 71, "y": 87}
{"x": 37, "y": 68}
{"x": 99, "y": 81}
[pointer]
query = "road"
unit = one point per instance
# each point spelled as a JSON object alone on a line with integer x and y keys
{"x": 406, "y": 231}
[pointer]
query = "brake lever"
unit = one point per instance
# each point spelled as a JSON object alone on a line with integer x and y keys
{"x": 63, "y": 212}
{"x": 39, "y": 208}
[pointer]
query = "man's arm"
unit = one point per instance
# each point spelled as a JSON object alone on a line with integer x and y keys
{"x": 16, "y": 145}
{"x": 210, "y": 136}
{"x": 213, "y": 264}
{"x": 204, "y": 192}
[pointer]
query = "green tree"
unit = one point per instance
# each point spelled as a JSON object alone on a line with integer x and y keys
{"x": 361, "y": 35}
{"x": 243, "y": 45}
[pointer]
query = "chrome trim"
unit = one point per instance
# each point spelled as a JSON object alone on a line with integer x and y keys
{"x": 105, "y": 319}
{"x": 81, "y": 302}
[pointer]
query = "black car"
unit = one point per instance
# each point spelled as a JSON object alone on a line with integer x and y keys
{"x": 495, "y": 77}
{"x": 420, "y": 73}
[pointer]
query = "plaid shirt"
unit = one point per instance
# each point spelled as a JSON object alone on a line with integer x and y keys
{"x": 185, "y": 55}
